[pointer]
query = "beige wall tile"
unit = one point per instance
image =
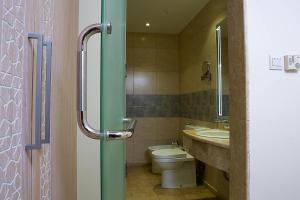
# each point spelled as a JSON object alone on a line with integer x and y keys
{"x": 166, "y": 141}
{"x": 167, "y": 83}
{"x": 141, "y": 155}
{"x": 129, "y": 151}
{"x": 144, "y": 40}
{"x": 167, "y": 59}
{"x": 130, "y": 57}
{"x": 167, "y": 128}
{"x": 129, "y": 83}
{"x": 153, "y": 53}
{"x": 144, "y": 83}
{"x": 146, "y": 129}
{"x": 130, "y": 40}
{"x": 164, "y": 41}
{"x": 144, "y": 59}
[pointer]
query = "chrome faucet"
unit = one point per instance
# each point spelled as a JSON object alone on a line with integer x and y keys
{"x": 226, "y": 125}
{"x": 225, "y": 122}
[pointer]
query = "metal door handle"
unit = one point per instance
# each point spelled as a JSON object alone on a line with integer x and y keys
{"x": 38, "y": 96}
{"x": 38, "y": 93}
{"x": 127, "y": 133}
{"x": 83, "y": 124}
{"x": 48, "y": 46}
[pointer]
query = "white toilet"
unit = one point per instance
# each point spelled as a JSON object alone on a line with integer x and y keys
{"x": 177, "y": 167}
{"x": 155, "y": 168}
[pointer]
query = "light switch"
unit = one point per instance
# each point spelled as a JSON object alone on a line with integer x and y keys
{"x": 275, "y": 63}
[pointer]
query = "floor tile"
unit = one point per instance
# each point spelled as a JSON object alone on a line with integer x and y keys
{"x": 143, "y": 185}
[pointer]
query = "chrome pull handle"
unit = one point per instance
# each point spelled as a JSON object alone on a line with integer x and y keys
{"x": 120, "y": 135}
{"x": 83, "y": 124}
{"x": 48, "y": 46}
{"x": 38, "y": 95}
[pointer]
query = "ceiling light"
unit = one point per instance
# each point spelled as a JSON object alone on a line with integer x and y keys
{"x": 147, "y": 24}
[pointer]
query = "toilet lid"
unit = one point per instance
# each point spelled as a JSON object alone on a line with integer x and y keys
{"x": 169, "y": 153}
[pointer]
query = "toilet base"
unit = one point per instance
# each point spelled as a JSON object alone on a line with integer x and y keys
{"x": 179, "y": 178}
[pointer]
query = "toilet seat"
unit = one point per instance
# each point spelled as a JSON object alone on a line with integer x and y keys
{"x": 171, "y": 155}
{"x": 155, "y": 168}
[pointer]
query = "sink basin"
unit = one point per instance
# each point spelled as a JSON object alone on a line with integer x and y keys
{"x": 201, "y": 128}
{"x": 213, "y": 133}
{"x": 196, "y": 128}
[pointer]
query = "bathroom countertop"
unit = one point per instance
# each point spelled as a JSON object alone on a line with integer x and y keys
{"x": 224, "y": 143}
{"x": 212, "y": 151}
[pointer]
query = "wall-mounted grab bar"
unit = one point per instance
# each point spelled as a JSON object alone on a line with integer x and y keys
{"x": 38, "y": 94}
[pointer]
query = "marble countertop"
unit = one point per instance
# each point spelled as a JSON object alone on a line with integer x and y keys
{"x": 224, "y": 143}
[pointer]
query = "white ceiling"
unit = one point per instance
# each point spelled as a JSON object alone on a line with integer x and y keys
{"x": 165, "y": 16}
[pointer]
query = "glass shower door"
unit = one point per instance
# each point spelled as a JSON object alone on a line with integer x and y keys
{"x": 112, "y": 99}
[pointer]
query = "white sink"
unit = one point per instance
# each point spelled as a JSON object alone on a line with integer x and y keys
{"x": 213, "y": 133}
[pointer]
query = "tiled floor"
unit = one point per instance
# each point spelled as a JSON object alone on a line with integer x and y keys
{"x": 143, "y": 185}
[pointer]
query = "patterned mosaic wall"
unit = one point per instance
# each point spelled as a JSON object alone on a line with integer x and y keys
{"x": 153, "y": 105}
{"x": 12, "y": 24}
{"x": 199, "y": 105}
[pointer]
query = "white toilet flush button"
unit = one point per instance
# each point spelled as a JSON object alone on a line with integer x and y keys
{"x": 291, "y": 63}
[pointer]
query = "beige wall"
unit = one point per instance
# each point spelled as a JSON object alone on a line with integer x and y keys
{"x": 152, "y": 61}
{"x": 197, "y": 43}
{"x": 88, "y": 150}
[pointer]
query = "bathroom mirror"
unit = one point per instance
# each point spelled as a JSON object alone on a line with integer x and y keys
{"x": 222, "y": 80}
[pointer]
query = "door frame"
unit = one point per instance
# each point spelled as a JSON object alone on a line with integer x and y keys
{"x": 238, "y": 102}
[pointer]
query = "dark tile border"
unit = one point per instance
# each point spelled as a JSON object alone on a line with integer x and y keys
{"x": 198, "y": 105}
